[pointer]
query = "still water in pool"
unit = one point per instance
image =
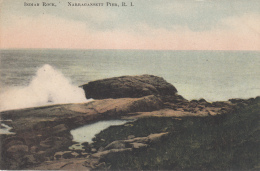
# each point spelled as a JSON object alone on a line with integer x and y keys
{"x": 87, "y": 132}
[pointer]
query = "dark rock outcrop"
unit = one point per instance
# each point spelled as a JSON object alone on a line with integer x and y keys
{"x": 129, "y": 145}
{"x": 129, "y": 86}
{"x": 43, "y": 133}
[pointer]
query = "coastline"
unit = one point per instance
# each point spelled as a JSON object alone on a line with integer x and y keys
{"x": 42, "y": 132}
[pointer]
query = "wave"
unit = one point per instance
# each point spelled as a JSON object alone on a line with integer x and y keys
{"x": 48, "y": 86}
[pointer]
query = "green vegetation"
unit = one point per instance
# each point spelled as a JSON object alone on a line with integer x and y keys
{"x": 228, "y": 141}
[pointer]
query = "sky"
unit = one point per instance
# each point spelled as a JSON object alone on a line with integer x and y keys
{"x": 148, "y": 24}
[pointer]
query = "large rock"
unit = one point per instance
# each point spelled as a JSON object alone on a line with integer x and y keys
{"x": 55, "y": 143}
{"x": 15, "y": 149}
{"x": 65, "y": 155}
{"x": 115, "y": 145}
{"x": 119, "y": 146}
{"x": 13, "y": 140}
{"x": 128, "y": 86}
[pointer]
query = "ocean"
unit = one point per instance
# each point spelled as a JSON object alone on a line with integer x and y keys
{"x": 39, "y": 77}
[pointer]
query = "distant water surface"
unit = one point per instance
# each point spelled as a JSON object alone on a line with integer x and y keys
{"x": 213, "y": 75}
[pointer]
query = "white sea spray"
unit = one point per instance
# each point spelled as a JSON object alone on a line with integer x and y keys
{"x": 48, "y": 86}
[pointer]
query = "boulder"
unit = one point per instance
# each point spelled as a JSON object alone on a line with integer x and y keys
{"x": 34, "y": 149}
{"x": 93, "y": 150}
{"x": 128, "y": 86}
{"x": 59, "y": 129}
{"x": 13, "y": 143}
{"x": 13, "y": 140}
{"x": 17, "y": 149}
{"x": 65, "y": 155}
{"x": 135, "y": 142}
{"x": 109, "y": 152}
{"x": 55, "y": 143}
{"x": 29, "y": 160}
{"x": 130, "y": 137}
{"x": 138, "y": 145}
{"x": 156, "y": 137}
{"x": 115, "y": 145}
{"x": 249, "y": 101}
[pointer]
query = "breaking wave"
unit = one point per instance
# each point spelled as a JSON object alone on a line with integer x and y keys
{"x": 49, "y": 86}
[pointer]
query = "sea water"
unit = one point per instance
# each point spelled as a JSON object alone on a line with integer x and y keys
{"x": 39, "y": 77}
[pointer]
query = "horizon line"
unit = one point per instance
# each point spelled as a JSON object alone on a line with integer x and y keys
{"x": 124, "y": 49}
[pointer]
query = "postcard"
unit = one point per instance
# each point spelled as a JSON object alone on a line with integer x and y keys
{"x": 129, "y": 85}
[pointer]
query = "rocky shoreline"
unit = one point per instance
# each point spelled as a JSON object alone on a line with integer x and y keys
{"x": 42, "y": 134}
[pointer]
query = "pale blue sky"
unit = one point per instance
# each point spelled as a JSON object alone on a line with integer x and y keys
{"x": 196, "y": 17}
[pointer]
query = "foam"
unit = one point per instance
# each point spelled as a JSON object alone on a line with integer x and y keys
{"x": 48, "y": 86}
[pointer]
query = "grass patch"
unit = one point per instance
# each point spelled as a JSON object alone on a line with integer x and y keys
{"x": 228, "y": 141}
